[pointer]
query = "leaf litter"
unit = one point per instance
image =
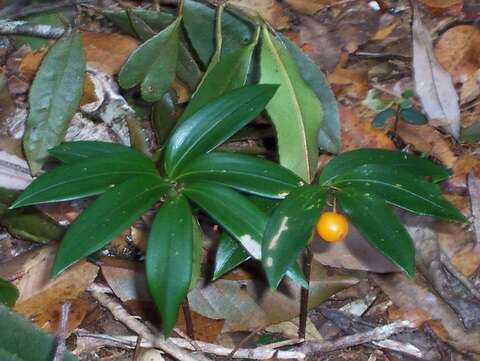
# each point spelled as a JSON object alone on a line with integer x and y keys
{"x": 357, "y": 45}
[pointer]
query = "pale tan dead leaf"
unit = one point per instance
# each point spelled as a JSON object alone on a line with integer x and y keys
{"x": 465, "y": 164}
{"x": 467, "y": 261}
{"x": 357, "y": 132}
{"x": 426, "y": 139}
{"x": 433, "y": 84}
{"x": 438, "y": 7}
{"x": 41, "y": 297}
{"x": 270, "y": 10}
{"x": 351, "y": 82}
{"x": 470, "y": 89}
{"x": 385, "y": 31}
{"x": 458, "y": 51}
{"x": 150, "y": 355}
{"x": 309, "y": 7}
{"x": 107, "y": 52}
{"x": 289, "y": 329}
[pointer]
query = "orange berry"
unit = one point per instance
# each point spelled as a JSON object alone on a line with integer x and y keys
{"x": 332, "y": 227}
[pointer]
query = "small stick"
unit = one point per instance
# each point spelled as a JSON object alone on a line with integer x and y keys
{"x": 62, "y": 332}
{"x": 25, "y": 28}
{"x": 304, "y": 294}
{"x": 188, "y": 319}
{"x": 244, "y": 341}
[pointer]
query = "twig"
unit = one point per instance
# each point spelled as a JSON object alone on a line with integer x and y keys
{"x": 62, "y": 332}
{"x": 44, "y": 8}
{"x": 25, "y": 28}
{"x": 304, "y": 293}
{"x": 244, "y": 341}
{"x": 378, "y": 333}
{"x": 260, "y": 353}
{"x": 138, "y": 327}
{"x": 188, "y": 319}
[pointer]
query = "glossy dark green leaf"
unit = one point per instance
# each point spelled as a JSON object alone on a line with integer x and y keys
{"x": 168, "y": 260}
{"x": 380, "y": 226}
{"x": 31, "y": 225}
{"x": 200, "y": 25}
{"x": 153, "y": 64}
{"x": 345, "y": 162}
{"x": 8, "y": 294}
{"x": 329, "y": 133}
{"x": 399, "y": 188}
{"x": 242, "y": 219}
{"x": 23, "y": 341}
{"x": 413, "y": 116}
{"x": 243, "y": 172}
{"x": 380, "y": 119}
{"x": 228, "y": 74}
{"x": 295, "y": 109}
{"x": 54, "y": 98}
{"x": 140, "y": 27}
{"x": 289, "y": 230}
{"x": 107, "y": 217}
{"x": 197, "y": 252}
{"x": 164, "y": 117}
{"x": 228, "y": 256}
{"x": 187, "y": 68}
{"x": 75, "y": 151}
{"x": 214, "y": 124}
{"x": 84, "y": 178}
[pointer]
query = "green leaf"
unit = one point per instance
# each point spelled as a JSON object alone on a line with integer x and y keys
{"x": 382, "y": 117}
{"x": 8, "y": 294}
{"x": 145, "y": 24}
{"x": 51, "y": 19}
{"x": 23, "y": 341}
{"x": 54, "y": 98}
{"x": 380, "y": 226}
{"x": 197, "y": 252}
{"x": 168, "y": 259}
{"x": 417, "y": 166}
{"x": 329, "y": 133}
{"x": 289, "y": 230}
{"x": 31, "y": 225}
{"x": 295, "y": 110}
{"x": 214, "y": 124}
{"x": 199, "y": 21}
{"x": 153, "y": 64}
{"x": 112, "y": 212}
{"x": 228, "y": 74}
{"x": 164, "y": 117}
{"x": 75, "y": 151}
{"x": 471, "y": 134}
{"x": 243, "y": 172}
{"x": 228, "y": 256}
{"x": 408, "y": 94}
{"x": 85, "y": 178}
{"x": 413, "y": 116}
{"x": 400, "y": 189}
{"x": 374, "y": 102}
{"x": 242, "y": 219}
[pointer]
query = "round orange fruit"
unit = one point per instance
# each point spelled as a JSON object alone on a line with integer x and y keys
{"x": 332, "y": 227}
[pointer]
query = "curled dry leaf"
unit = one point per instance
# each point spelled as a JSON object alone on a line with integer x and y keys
{"x": 433, "y": 83}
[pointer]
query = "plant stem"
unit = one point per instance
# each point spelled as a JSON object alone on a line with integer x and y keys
{"x": 304, "y": 293}
{"x": 188, "y": 319}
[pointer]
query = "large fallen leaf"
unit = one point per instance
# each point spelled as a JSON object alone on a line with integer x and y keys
{"x": 433, "y": 83}
{"x": 438, "y": 7}
{"x": 295, "y": 110}
{"x": 54, "y": 97}
{"x": 22, "y": 341}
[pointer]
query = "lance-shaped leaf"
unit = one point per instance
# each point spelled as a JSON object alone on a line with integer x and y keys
{"x": 374, "y": 218}
{"x": 23, "y": 341}
{"x": 75, "y": 151}
{"x": 85, "y": 178}
{"x": 417, "y": 166}
{"x": 214, "y": 124}
{"x": 8, "y": 293}
{"x": 227, "y": 74}
{"x": 197, "y": 252}
{"x": 295, "y": 110}
{"x": 168, "y": 259}
{"x": 242, "y": 219}
{"x": 200, "y": 25}
{"x": 329, "y": 133}
{"x": 400, "y": 189}
{"x": 243, "y": 172}
{"x": 54, "y": 98}
{"x": 289, "y": 229}
{"x": 153, "y": 64}
{"x": 112, "y": 212}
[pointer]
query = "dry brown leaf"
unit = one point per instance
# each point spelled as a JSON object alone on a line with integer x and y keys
{"x": 437, "y": 7}
{"x": 107, "y": 51}
{"x": 433, "y": 83}
{"x": 351, "y": 82}
{"x": 427, "y": 139}
{"x": 270, "y": 10}
{"x": 309, "y": 7}
{"x": 41, "y": 298}
{"x": 384, "y": 32}
{"x": 465, "y": 164}
{"x": 458, "y": 51}
{"x": 467, "y": 261}
{"x": 358, "y": 132}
